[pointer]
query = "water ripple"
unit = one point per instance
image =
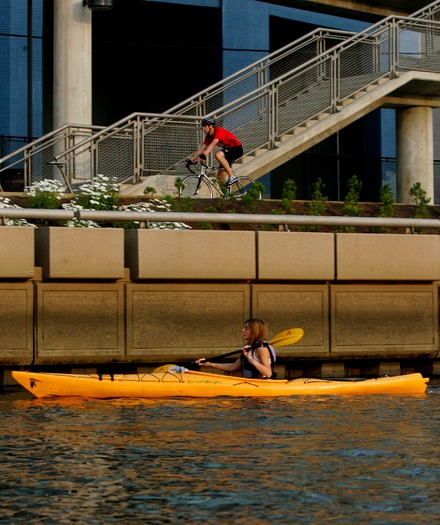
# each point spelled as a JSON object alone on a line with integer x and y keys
{"x": 249, "y": 462}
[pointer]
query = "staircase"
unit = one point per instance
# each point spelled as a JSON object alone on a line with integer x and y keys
{"x": 279, "y": 106}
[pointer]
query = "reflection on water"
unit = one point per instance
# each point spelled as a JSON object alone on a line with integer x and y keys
{"x": 294, "y": 460}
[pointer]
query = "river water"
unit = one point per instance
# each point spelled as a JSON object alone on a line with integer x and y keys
{"x": 300, "y": 460}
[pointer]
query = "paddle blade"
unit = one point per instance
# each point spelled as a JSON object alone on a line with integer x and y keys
{"x": 287, "y": 338}
{"x": 165, "y": 368}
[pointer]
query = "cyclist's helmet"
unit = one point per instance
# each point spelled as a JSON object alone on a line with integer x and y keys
{"x": 208, "y": 121}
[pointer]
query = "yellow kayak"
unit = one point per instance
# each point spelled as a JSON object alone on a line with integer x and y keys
{"x": 184, "y": 383}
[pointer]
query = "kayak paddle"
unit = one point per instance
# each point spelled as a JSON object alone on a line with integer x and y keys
{"x": 285, "y": 338}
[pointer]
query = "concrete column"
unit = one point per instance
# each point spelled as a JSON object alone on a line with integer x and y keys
{"x": 415, "y": 152}
{"x": 72, "y": 63}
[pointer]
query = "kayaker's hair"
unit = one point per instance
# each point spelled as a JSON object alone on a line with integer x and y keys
{"x": 258, "y": 329}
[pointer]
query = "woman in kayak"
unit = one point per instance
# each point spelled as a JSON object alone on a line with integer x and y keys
{"x": 258, "y": 357}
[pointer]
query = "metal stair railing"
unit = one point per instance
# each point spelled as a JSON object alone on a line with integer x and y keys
{"x": 37, "y": 158}
{"x": 263, "y": 116}
{"x": 164, "y": 140}
{"x": 261, "y": 71}
{"x": 318, "y": 87}
{"x": 262, "y": 103}
{"x": 321, "y": 87}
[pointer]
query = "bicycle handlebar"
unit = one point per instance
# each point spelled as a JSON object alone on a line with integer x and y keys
{"x": 189, "y": 163}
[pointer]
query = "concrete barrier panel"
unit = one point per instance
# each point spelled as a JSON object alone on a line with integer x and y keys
{"x": 16, "y": 323}
{"x": 17, "y": 258}
{"x": 368, "y": 257}
{"x": 80, "y": 323}
{"x": 295, "y": 306}
{"x": 296, "y": 256}
{"x": 384, "y": 320}
{"x": 196, "y": 254}
{"x": 169, "y": 322}
{"x": 80, "y": 253}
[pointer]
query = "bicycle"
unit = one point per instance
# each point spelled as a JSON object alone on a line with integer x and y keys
{"x": 203, "y": 184}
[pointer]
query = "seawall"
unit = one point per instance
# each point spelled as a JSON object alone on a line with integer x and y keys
{"x": 78, "y": 298}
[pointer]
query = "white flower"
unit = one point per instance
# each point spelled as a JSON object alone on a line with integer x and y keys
{"x": 152, "y": 206}
{"x": 4, "y": 203}
{"x": 46, "y": 186}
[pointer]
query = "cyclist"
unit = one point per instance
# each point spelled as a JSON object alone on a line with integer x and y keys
{"x": 231, "y": 149}
{"x": 258, "y": 357}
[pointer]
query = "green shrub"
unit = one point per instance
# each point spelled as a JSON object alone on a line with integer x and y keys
{"x": 420, "y": 199}
{"x": 387, "y": 200}
{"x": 288, "y": 195}
{"x": 319, "y": 200}
{"x": 149, "y": 191}
{"x": 45, "y": 194}
{"x": 351, "y": 206}
{"x": 100, "y": 194}
{"x": 252, "y": 197}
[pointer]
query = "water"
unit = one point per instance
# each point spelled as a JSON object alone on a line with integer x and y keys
{"x": 318, "y": 460}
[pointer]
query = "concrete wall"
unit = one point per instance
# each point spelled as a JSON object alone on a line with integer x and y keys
{"x": 149, "y": 296}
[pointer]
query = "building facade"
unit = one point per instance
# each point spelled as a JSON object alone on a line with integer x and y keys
{"x": 147, "y": 56}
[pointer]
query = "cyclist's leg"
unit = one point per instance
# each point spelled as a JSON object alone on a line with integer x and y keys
{"x": 241, "y": 186}
{"x": 221, "y": 175}
{"x": 231, "y": 155}
{"x": 224, "y": 170}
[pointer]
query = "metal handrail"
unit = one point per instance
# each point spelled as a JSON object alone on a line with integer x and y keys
{"x": 256, "y": 111}
{"x": 203, "y": 99}
{"x": 261, "y": 65}
{"x": 187, "y": 217}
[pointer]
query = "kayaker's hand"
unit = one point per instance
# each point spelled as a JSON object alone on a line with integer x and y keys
{"x": 201, "y": 362}
{"x": 247, "y": 352}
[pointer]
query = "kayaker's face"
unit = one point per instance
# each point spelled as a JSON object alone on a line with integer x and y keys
{"x": 246, "y": 332}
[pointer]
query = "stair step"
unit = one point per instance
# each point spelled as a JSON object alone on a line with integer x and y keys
{"x": 259, "y": 151}
{"x": 299, "y": 130}
{"x": 346, "y": 102}
{"x": 311, "y": 122}
{"x": 245, "y": 159}
{"x": 358, "y": 95}
{"x": 286, "y": 136}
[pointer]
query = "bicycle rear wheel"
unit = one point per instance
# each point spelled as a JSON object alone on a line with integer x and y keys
{"x": 242, "y": 186}
{"x": 195, "y": 187}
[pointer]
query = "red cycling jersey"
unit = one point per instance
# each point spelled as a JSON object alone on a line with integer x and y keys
{"x": 226, "y": 138}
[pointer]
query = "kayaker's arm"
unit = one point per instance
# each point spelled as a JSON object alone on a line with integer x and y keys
{"x": 226, "y": 367}
{"x": 263, "y": 354}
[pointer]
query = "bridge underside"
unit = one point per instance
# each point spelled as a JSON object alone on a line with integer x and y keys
{"x": 371, "y": 10}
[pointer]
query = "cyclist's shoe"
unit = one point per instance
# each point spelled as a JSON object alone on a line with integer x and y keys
{"x": 231, "y": 181}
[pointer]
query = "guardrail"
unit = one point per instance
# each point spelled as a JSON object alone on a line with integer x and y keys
{"x": 145, "y": 218}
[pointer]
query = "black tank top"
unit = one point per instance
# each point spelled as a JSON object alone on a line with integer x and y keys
{"x": 249, "y": 370}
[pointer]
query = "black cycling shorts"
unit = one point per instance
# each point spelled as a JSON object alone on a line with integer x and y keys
{"x": 232, "y": 154}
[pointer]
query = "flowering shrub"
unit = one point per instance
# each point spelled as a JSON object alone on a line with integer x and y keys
{"x": 101, "y": 194}
{"x": 45, "y": 194}
{"x": 5, "y": 203}
{"x": 153, "y": 206}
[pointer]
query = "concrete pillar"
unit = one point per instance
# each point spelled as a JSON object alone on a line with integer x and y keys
{"x": 415, "y": 152}
{"x": 72, "y": 63}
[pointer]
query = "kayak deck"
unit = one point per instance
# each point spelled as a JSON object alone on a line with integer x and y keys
{"x": 200, "y": 384}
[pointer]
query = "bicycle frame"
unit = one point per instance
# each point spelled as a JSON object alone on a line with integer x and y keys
{"x": 203, "y": 176}
{"x": 192, "y": 185}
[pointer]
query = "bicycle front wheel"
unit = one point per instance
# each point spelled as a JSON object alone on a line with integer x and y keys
{"x": 195, "y": 187}
{"x": 242, "y": 186}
